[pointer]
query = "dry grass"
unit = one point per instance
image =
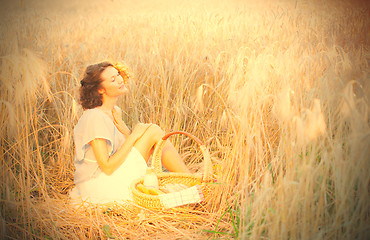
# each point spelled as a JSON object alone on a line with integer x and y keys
{"x": 279, "y": 91}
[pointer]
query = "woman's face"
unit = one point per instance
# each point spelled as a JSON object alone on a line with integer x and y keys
{"x": 112, "y": 84}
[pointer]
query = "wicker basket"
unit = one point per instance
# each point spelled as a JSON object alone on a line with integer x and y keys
{"x": 188, "y": 179}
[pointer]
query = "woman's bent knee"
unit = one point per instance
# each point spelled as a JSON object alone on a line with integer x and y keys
{"x": 155, "y": 132}
{"x": 151, "y": 137}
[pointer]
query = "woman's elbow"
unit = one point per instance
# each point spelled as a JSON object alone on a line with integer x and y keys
{"x": 107, "y": 170}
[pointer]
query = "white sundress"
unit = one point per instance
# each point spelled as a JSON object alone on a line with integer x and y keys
{"x": 91, "y": 184}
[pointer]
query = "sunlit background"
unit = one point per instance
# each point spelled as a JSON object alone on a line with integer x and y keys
{"x": 278, "y": 90}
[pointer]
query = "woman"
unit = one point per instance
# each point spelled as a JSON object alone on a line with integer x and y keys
{"x": 108, "y": 155}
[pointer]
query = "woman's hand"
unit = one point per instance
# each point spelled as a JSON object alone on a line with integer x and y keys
{"x": 120, "y": 124}
{"x": 138, "y": 131}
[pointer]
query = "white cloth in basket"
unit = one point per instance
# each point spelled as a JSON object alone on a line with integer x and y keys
{"x": 187, "y": 196}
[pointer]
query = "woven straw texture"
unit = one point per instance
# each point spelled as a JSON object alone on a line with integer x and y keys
{"x": 188, "y": 179}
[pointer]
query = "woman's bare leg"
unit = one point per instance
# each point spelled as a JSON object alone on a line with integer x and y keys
{"x": 171, "y": 159}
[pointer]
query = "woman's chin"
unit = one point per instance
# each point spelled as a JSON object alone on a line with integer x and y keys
{"x": 124, "y": 90}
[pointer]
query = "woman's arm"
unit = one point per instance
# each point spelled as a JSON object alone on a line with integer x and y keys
{"x": 109, "y": 164}
{"x": 117, "y": 120}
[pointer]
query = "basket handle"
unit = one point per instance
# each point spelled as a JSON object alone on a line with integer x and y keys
{"x": 157, "y": 155}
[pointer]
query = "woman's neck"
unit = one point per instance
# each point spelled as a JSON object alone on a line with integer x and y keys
{"x": 108, "y": 104}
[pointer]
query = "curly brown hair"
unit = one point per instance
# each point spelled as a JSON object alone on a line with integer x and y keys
{"x": 90, "y": 84}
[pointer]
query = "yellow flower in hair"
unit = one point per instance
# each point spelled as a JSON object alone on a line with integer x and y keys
{"x": 122, "y": 70}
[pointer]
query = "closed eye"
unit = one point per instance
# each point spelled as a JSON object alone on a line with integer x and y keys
{"x": 114, "y": 77}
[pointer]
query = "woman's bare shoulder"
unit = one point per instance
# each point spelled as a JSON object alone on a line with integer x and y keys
{"x": 89, "y": 114}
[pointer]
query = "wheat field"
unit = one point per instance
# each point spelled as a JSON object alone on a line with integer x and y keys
{"x": 278, "y": 90}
